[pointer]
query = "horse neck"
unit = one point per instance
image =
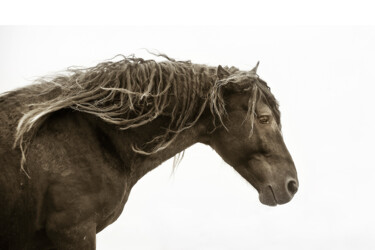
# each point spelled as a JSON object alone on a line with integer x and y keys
{"x": 137, "y": 165}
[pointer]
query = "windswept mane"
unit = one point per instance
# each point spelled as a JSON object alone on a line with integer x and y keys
{"x": 132, "y": 92}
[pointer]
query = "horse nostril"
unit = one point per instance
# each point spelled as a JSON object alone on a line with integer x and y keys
{"x": 292, "y": 187}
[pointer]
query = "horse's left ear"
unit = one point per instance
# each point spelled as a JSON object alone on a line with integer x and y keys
{"x": 221, "y": 72}
{"x": 254, "y": 70}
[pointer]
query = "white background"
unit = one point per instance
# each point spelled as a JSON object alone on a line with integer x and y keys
{"x": 324, "y": 80}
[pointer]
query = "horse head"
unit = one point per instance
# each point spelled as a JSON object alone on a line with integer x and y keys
{"x": 250, "y": 139}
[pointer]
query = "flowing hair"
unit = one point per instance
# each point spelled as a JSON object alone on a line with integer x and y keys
{"x": 132, "y": 92}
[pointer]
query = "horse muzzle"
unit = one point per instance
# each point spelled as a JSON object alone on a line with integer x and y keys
{"x": 273, "y": 194}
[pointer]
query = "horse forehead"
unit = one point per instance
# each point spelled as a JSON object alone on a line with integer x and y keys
{"x": 238, "y": 99}
{"x": 262, "y": 108}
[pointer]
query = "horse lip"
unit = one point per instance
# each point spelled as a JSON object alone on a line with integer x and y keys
{"x": 273, "y": 194}
{"x": 282, "y": 199}
{"x": 267, "y": 196}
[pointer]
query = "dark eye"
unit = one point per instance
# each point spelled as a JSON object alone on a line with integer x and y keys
{"x": 264, "y": 119}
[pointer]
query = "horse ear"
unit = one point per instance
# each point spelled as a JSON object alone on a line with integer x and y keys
{"x": 254, "y": 70}
{"x": 221, "y": 72}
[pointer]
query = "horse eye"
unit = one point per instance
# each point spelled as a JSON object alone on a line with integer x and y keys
{"x": 264, "y": 119}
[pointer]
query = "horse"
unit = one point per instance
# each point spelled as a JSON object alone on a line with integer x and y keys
{"x": 73, "y": 145}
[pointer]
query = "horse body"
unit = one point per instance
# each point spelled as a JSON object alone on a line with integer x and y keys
{"x": 80, "y": 168}
{"x": 80, "y": 181}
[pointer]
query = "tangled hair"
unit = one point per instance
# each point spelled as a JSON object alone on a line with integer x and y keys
{"x": 244, "y": 81}
{"x": 132, "y": 92}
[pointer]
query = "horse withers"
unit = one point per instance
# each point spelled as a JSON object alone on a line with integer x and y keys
{"x": 72, "y": 146}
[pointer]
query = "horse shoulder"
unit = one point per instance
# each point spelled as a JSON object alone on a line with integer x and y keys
{"x": 82, "y": 184}
{"x": 17, "y": 208}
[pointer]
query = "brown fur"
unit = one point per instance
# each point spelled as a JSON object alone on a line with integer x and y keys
{"x": 90, "y": 134}
{"x": 132, "y": 92}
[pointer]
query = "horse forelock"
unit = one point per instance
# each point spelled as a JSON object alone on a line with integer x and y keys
{"x": 245, "y": 81}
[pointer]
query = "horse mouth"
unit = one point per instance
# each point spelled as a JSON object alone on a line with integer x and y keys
{"x": 267, "y": 197}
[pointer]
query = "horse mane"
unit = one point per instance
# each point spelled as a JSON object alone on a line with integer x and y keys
{"x": 132, "y": 92}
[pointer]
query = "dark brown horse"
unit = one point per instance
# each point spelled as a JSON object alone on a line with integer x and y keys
{"x": 72, "y": 146}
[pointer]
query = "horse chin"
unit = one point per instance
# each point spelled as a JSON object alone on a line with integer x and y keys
{"x": 267, "y": 197}
{"x": 271, "y": 197}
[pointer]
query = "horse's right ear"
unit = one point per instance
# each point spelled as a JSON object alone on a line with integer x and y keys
{"x": 221, "y": 72}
